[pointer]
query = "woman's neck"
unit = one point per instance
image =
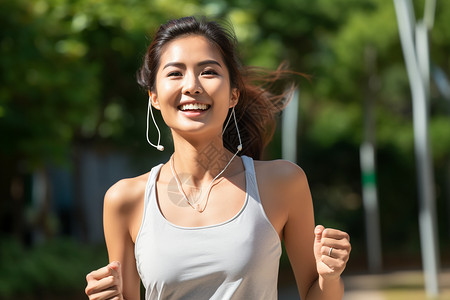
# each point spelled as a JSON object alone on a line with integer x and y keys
{"x": 201, "y": 160}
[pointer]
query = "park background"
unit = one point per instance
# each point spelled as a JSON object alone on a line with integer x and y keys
{"x": 72, "y": 122}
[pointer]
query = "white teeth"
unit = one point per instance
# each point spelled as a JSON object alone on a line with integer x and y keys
{"x": 194, "y": 106}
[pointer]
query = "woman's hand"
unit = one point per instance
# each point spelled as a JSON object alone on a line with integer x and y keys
{"x": 105, "y": 283}
{"x": 331, "y": 250}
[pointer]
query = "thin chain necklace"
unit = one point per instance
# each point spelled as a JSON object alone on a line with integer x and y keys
{"x": 197, "y": 206}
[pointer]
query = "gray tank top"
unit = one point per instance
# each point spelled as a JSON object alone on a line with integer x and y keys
{"x": 236, "y": 259}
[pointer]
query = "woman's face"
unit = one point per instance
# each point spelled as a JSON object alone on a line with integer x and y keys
{"x": 192, "y": 87}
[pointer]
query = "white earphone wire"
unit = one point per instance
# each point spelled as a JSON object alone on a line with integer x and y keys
{"x": 233, "y": 114}
{"x": 150, "y": 111}
{"x": 237, "y": 129}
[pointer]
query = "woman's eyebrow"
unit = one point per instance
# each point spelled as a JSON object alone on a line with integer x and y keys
{"x": 174, "y": 64}
{"x": 209, "y": 62}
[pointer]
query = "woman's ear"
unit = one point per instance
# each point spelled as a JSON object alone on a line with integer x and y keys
{"x": 154, "y": 98}
{"x": 234, "y": 97}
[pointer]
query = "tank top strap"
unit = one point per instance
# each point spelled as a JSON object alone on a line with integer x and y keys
{"x": 248, "y": 164}
{"x": 151, "y": 182}
{"x": 250, "y": 176}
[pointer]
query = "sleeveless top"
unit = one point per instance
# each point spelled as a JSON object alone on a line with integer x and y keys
{"x": 235, "y": 259}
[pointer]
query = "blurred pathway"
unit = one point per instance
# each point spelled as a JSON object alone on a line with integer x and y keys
{"x": 399, "y": 285}
{"x": 290, "y": 293}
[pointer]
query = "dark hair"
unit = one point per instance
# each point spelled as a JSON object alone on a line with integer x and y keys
{"x": 261, "y": 96}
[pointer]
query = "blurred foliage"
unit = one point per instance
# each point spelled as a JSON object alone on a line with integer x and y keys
{"x": 67, "y": 77}
{"x": 55, "y": 267}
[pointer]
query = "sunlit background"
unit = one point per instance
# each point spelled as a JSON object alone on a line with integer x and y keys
{"x": 72, "y": 122}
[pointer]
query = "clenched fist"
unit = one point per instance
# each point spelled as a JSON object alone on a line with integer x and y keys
{"x": 331, "y": 250}
{"x": 105, "y": 283}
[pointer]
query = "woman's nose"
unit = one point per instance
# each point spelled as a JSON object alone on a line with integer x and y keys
{"x": 192, "y": 85}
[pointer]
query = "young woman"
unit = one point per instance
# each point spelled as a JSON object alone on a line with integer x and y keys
{"x": 208, "y": 224}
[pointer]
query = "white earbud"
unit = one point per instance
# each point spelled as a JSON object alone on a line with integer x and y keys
{"x": 150, "y": 111}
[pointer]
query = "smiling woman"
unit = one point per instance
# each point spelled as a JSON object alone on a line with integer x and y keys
{"x": 208, "y": 223}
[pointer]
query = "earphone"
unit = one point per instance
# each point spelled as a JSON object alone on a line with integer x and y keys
{"x": 150, "y": 111}
{"x": 239, "y": 147}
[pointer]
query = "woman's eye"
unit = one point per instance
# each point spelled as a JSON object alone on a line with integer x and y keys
{"x": 174, "y": 74}
{"x": 209, "y": 72}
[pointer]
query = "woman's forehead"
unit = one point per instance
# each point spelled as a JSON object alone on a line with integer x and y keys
{"x": 190, "y": 49}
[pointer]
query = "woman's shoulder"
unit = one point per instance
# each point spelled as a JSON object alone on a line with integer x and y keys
{"x": 279, "y": 170}
{"x": 126, "y": 193}
{"x": 282, "y": 177}
{"x": 283, "y": 188}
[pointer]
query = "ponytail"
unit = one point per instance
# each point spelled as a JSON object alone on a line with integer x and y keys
{"x": 263, "y": 95}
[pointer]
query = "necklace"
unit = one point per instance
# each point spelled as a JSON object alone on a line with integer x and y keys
{"x": 197, "y": 206}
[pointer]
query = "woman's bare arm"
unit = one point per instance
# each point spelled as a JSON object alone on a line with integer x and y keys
{"x": 122, "y": 212}
{"x": 317, "y": 274}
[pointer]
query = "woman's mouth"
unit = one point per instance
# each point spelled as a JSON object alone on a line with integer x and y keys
{"x": 194, "y": 107}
